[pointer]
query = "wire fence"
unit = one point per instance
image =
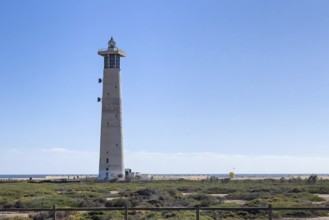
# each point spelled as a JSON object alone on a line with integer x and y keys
{"x": 125, "y": 210}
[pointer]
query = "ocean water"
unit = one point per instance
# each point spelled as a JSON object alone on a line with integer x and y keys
{"x": 238, "y": 175}
{"x": 14, "y": 176}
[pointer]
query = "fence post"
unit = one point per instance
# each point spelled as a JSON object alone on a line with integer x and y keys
{"x": 126, "y": 212}
{"x": 54, "y": 212}
{"x": 269, "y": 212}
{"x": 197, "y": 213}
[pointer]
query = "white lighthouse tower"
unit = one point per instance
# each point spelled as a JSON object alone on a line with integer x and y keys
{"x": 111, "y": 149}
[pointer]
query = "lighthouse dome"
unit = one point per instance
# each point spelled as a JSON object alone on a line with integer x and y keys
{"x": 111, "y": 43}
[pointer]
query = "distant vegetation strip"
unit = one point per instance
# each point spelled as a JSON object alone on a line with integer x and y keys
{"x": 212, "y": 192}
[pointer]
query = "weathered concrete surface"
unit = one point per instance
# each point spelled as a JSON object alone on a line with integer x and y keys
{"x": 111, "y": 149}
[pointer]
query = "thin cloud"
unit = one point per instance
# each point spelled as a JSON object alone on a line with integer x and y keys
{"x": 56, "y": 149}
{"x": 66, "y": 161}
{"x": 48, "y": 161}
{"x": 212, "y": 162}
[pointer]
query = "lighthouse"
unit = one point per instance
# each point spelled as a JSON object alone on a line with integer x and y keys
{"x": 111, "y": 149}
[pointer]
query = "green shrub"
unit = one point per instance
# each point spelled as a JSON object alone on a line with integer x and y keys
{"x": 117, "y": 203}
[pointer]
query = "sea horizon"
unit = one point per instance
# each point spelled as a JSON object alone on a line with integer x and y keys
{"x": 220, "y": 175}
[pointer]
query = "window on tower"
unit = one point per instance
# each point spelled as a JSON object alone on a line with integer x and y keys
{"x": 117, "y": 61}
{"x": 112, "y": 60}
{"x": 106, "y": 61}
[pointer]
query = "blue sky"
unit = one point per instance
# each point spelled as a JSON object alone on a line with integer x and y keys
{"x": 237, "y": 81}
